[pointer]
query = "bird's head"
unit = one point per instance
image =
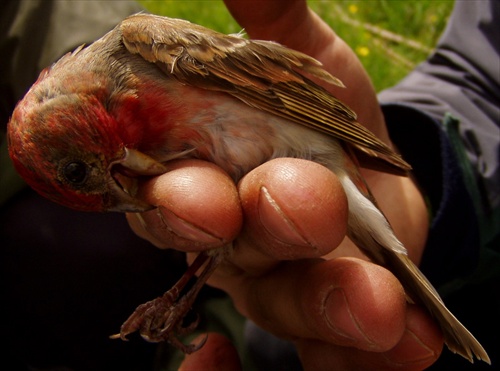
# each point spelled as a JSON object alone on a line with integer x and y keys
{"x": 67, "y": 147}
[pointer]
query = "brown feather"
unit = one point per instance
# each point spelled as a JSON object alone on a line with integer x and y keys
{"x": 263, "y": 74}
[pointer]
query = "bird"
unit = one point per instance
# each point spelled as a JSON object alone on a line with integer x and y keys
{"x": 156, "y": 89}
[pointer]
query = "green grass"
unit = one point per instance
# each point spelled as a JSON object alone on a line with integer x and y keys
{"x": 390, "y": 36}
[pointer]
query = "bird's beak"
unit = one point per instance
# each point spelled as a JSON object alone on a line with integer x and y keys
{"x": 123, "y": 180}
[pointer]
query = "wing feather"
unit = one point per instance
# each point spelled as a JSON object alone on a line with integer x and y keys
{"x": 263, "y": 74}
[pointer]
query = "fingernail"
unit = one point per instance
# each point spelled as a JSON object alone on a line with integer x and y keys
{"x": 275, "y": 221}
{"x": 184, "y": 229}
{"x": 410, "y": 349}
{"x": 141, "y": 220}
{"x": 340, "y": 319}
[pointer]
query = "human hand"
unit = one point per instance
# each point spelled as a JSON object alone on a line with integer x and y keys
{"x": 356, "y": 314}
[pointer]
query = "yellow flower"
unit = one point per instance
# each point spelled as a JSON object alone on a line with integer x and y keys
{"x": 362, "y": 51}
{"x": 353, "y": 8}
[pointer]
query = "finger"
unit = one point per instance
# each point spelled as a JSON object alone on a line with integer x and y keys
{"x": 344, "y": 301}
{"x": 419, "y": 347}
{"x": 217, "y": 354}
{"x": 421, "y": 344}
{"x": 197, "y": 207}
{"x": 270, "y": 19}
{"x": 293, "y": 209}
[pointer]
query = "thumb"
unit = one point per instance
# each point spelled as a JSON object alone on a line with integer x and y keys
{"x": 198, "y": 207}
{"x": 218, "y": 353}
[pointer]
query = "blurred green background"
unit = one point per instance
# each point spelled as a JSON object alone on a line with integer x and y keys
{"x": 390, "y": 36}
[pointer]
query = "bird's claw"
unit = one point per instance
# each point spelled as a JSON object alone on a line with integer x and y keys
{"x": 162, "y": 319}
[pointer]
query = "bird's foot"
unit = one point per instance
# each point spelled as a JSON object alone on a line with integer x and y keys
{"x": 162, "y": 319}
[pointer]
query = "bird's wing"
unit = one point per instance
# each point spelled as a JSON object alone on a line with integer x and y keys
{"x": 263, "y": 74}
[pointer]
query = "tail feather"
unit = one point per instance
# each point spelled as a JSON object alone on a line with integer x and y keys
{"x": 456, "y": 336}
{"x": 370, "y": 231}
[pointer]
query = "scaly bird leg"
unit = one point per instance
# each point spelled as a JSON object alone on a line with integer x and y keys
{"x": 161, "y": 319}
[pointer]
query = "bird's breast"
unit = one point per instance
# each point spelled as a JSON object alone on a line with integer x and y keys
{"x": 177, "y": 120}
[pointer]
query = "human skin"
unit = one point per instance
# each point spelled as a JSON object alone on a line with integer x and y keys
{"x": 291, "y": 270}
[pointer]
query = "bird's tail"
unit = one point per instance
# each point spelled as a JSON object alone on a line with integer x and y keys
{"x": 370, "y": 231}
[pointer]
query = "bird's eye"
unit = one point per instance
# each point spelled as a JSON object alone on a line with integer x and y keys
{"x": 75, "y": 172}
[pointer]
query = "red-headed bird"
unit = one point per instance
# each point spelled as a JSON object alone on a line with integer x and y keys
{"x": 156, "y": 89}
